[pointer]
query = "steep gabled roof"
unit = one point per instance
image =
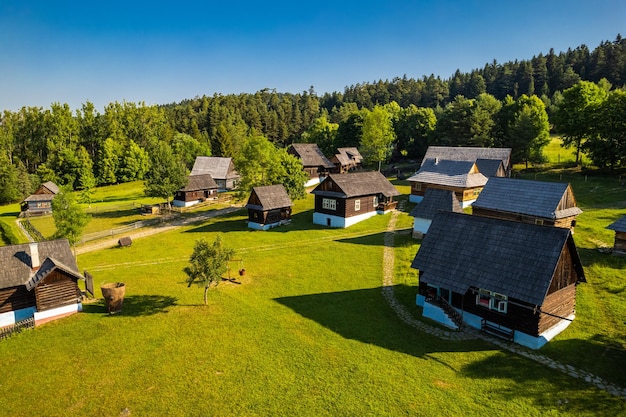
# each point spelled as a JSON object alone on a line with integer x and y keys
{"x": 15, "y": 261}
{"x": 311, "y": 155}
{"x": 218, "y": 167}
{"x": 49, "y": 265}
{"x": 550, "y": 200}
{"x": 470, "y": 154}
{"x": 511, "y": 258}
{"x": 436, "y": 200}
{"x": 460, "y": 174}
{"x": 200, "y": 182}
{"x": 270, "y": 197}
{"x": 490, "y": 167}
{"x": 619, "y": 225}
{"x": 54, "y": 189}
{"x": 357, "y": 184}
{"x": 351, "y": 153}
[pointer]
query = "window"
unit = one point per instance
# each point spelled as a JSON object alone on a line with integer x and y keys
{"x": 539, "y": 221}
{"x": 417, "y": 186}
{"x": 492, "y": 300}
{"x": 357, "y": 205}
{"x": 329, "y": 204}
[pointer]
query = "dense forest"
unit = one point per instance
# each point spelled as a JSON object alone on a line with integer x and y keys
{"x": 579, "y": 94}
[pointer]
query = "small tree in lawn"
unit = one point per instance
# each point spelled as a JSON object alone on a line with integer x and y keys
{"x": 208, "y": 262}
{"x": 69, "y": 218}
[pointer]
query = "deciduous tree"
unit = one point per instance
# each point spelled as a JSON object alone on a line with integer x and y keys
{"x": 69, "y": 218}
{"x": 166, "y": 175}
{"x": 207, "y": 264}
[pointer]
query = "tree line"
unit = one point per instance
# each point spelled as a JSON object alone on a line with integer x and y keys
{"x": 577, "y": 93}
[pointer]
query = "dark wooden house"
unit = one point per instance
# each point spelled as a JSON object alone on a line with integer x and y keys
{"x": 40, "y": 202}
{"x": 511, "y": 279}
{"x": 461, "y": 177}
{"x": 537, "y": 202}
{"x": 471, "y": 154}
{"x": 435, "y": 200}
{"x": 199, "y": 188}
{"x": 345, "y": 199}
{"x": 314, "y": 163}
{"x": 347, "y": 160}
{"x": 221, "y": 169}
{"x": 619, "y": 226}
{"x": 38, "y": 280}
{"x": 268, "y": 206}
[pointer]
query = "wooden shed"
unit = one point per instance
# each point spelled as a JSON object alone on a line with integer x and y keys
{"x": 461, "y": 177}
{"x": 221, "y": 169}
{"x": 537, "y": 202}
{"x": 199, "y": 188}
{"x": 435, "y": 200}
{"x": 314, "y": 163}
{"x": 510, "y": 279}
{"x": 345, "y": 199}
{"x": 347, "y": 160}
{"x": 619, "y": 226}
{"x": 39, "y": 280}
{"x": 40, "y": 202}
{"x": 268, "y": 206}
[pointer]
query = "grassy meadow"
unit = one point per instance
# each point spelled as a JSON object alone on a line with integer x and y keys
{"x": 307, "y": 332}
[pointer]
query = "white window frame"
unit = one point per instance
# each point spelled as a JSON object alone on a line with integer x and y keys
{"x": 329, "y": 204}
{"x": 497, "y": 302}
{"x": 357, "y": 205}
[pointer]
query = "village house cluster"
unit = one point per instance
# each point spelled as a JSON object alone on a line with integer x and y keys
{"x": 510, "y": 268}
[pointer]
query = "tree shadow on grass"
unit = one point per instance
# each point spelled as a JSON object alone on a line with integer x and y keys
{"x": 136, "y": 305}
{"x": 363, "y": 315}
{"x": 548, "y": 389}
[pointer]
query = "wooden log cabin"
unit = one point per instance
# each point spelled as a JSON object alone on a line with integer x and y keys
{"x": 347, "y": 160}
{"x": 40, "y": 202}
{"x": 268, "y": 206}
{"x": 221, "y": 169}
{"x": 345, "y": 199}
{"x": 537, "y": 202}
{"x": 511, "y": 279}
{"x": 199, "y": 188}
{"x": 39, "y": 280}
{"x": 461, "y": 177}
{"x": 473, "y": 154}
{"x": 314, "y": 163}
{"x": 619, "y": 226}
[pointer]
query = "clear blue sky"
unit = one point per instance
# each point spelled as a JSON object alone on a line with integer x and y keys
{"x": 162, "y": 52}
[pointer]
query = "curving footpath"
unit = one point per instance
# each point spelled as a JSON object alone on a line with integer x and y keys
{"x": 467, "y": 334}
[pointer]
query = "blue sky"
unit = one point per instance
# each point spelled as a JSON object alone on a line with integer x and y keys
{"x": 165, "y": 51}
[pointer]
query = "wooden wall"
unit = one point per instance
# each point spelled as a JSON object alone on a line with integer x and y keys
{"x": 56, "y": 290}
{"x": 561, "y": 304}
{"x": 620, "y": 242}
{"x": 16, "y": 298}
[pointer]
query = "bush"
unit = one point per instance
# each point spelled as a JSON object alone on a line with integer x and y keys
{"x": 7, "y": 235}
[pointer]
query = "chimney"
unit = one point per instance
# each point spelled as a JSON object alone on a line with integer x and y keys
{"x": 34, "y": 257}
{"x": 436, "y": 160}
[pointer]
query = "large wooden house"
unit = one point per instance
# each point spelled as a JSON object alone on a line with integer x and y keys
{"x": 345, "y": 199}
{"x": 199, "y": 188}
{"x": 40, "y": 202}
{"x": 619, "y": 226}
{"x": 314, "y": 163}
{"x": 471, "y": 154}
{"x": 511, "y": 279}
{"x": 461, "y": 177}
{"x": 538, "y": 202}
{"x": 268, "y": 206}
{"x": 38, "y": 280}
{"x": 346, "y": 160}
{"x": 221, "y": 169}
{"x": 435, "y": 200}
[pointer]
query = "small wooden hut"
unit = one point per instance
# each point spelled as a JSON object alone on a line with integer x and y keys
{"x": 314, "y": 162}
{"x": 199, "y": 188}
{"x": 40, "y": 202}
{"x": 619, "y": 226}
{"x": 268, "y": 206}
{"x": 221, "y": 169}
{"x": 347, "y": 160}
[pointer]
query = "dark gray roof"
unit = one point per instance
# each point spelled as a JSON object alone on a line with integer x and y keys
{"x": 489, "y": 167}
{"x": 533, "y": 198}
{"x": 436, "y": 200}
{"x": 512, "y": 258}
{"x": 15, "y": 261}
{"x": 47, "y": 266}
{"x": 359, "y": 183}
{"x": 200, "y": 182}
{"x": 470, "y": 154}
{"x": 619, "y": 225}
{"x": 217, "y": 167}
{"x": 449, "y": 173}
{"x": 40, "y": 197}
{"x": 271, "y": 197}
{"x": 311, "y": 155}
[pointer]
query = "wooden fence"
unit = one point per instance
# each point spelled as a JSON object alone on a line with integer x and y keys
{"x": 17, "y": 327}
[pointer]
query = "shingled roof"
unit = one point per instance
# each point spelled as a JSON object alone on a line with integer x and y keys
{"x": 16, "y": 261}
{"x": 270, "y": 196}
{"x": 217, "y": 167}
{"x": 200, "y": 182}
{"x": 436, "y": 200}
{"x": 550, "y": 200}
{"x": 311, "y": 155}
{"x": 619, "y": 225}
{"x": 52, "y": 187}
{"x": 460, "y": 174}
{"x": 357, "y": 184}
{"x": 469, "y": 154}
{"x": 516, "y": 259}
{"x": 490, "y": 167}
